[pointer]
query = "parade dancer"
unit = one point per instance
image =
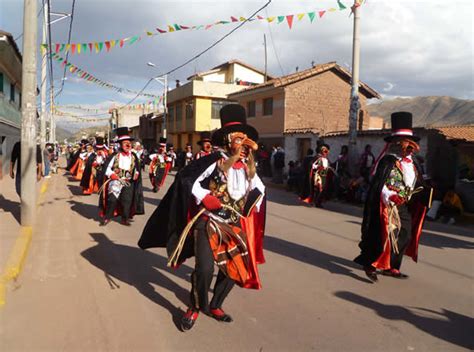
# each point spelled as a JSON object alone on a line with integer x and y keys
{"x": 92, "y": 177}
{"x": 171, "y": 155}
{"x": 318, "y": 177}
{"x": 159, "y": 166}
{"x": 396, "y": 204}
{"x": 215, "y": 211}
{"x": 120, "y": 192}
{"x": 75, "y": 163}
{"x": 205, "y": 144}
{"x": 188, "y": 154}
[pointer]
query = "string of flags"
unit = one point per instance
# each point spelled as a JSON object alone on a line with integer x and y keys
{"x": 151, "y": 105}
{"x": 79, "y": 107}
{"x": 108, "y": 45}
{"x": 58, "y": 112}
{"x": 92, "y": 79}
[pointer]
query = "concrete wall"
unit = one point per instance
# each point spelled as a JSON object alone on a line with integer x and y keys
{"x": 215, "y": 77}
{"x": 292, "y": 145}
{"x": 245, "y": 74}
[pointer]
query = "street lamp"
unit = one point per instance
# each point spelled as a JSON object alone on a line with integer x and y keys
{"x": 164, "y": 81}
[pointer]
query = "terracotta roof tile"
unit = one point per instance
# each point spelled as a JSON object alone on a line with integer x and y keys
{"x": 464, "y": 133}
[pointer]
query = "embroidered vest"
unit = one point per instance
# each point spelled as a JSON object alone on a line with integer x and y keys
{"x": 395, "y": 181}
{"x": 124, "y": 173}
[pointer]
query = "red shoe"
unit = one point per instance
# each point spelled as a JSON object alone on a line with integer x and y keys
{"x": 220, "y": 315}
{"x": 394, "y": 273}
{"x": 188, "y": 319}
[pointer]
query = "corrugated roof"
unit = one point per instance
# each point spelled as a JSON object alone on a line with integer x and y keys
{"x": 313, "y": 71}
{"x": 462, "y": 133}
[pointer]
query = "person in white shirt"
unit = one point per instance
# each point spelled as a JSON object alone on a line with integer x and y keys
{"x": 215, "y": 211}
{"x": 396, "y": 204}
{"x": 121, "y": 173}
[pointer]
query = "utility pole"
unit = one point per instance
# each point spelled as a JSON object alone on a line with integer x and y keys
{"x": 265, "y": 46}
{"x": 28, "y": 111}
{"x": 43, "y": 77}
{"x": 354, "y": 104}
{"x": 165, "y": 105}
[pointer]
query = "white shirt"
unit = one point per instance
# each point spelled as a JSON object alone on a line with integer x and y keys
{"x": 409, "y": 179}
{"x": 125, "y": 161}
{"x": 237, "y": 184}
{"x": 324, "y": 162}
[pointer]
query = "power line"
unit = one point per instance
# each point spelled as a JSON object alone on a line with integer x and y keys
{"x": 199, "y": 54}
{"x": 69, "y": 42}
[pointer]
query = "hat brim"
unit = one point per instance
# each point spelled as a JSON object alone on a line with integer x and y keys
{"x": 219, "y": 135}
{"x": 392, "y": 138}
{"x": 128, "y": 138}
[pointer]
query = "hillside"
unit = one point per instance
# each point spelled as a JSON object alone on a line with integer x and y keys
{"x": 90, "y": 132}
{"x": 428, "y": 111}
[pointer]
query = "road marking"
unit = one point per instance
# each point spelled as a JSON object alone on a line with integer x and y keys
{"x": 18, "y": 255}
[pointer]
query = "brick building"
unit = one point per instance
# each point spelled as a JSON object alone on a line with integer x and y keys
{"x": 294, "y": 110}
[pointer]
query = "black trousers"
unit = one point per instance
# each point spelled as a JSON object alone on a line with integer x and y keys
{"x": 201, "y": 277}
{"x": 160, "y": 173}
{"x": 404, "y": 237}
{"x": 125, "y": 199}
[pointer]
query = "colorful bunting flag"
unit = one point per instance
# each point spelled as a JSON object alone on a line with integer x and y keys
{"x": 281, "y": 19}
{"x": 311, "y": 16}
{"x": 289, "y": 19}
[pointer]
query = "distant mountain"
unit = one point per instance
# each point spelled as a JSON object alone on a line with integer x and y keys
{"x": 62, "y": 134}
{"x": 428, "y": 111}
{"x": 90, "y": 132}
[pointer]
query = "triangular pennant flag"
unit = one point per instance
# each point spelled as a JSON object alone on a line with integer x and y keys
{"x": 84, "y": 47}
{"x": 341, "y": 5}
{"x": 58, "y": 46}
{"x": 148, "y": 33}
{"x": 242, "y": 19}
{"x": 68, "y": 46}
{"x": 184, "y": 27}
{"x": 200, "y": 26}
{"x": 107, "y": 46}
{"x": 281, "y": 19}
{"x": 170, "y": 28}
{"x": 63, "y": 46}
{"x": 112, "y": 44}
{"x": 270, "y": 19}
{"x": 208, "y": 26}
{"x": 161, "y": 30}
{"x": 133, "y": 39}
{"x": 233, "y": 19}
{"x": 300, "y": 16}
{"x": 321, "y": 13}
{"x": 91, "y": 47}
{"x": 332, "y": 9}
{"x": 177, "y": 27}
{"x": 311, "y": 16}
{"x": 73, "y": 48}
{"x": 260, "y": 17}
{"x": 68, "y": 64}
{"x": 289, "y": 19}
{"x": 121, "y": 42}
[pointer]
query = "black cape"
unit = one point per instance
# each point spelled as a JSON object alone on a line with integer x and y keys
{"x": 307, "y": 184}
{"x": 72, "y": 160}
{"x": 86, "y": 176}
{"x": 138, "y": 203}
{"x": 371, "y": 242}
{"x": 169, "y": 219}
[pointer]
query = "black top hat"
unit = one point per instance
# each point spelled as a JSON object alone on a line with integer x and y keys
{"x": 205, "y": 137}
{"x": 233, "y": 119}
{"x": 402, "y": 126}
{"x": 84, "y": 141}
{"x": 169, "y": 145}
{"x": 99, "y": 142}
{"x": 122, "y": 134}
{"x": 323, "y": 145}
{"x": 162, "y": 142}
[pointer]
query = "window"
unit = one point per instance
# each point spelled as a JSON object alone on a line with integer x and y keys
{"x": 251, "y": 108}
{"x": 267, "y": 106}
{"x": 12, "y": 92}
{"x": 189, "y": 110}
{"x": 217, "y": 105}
{"x": 1, "y": 82}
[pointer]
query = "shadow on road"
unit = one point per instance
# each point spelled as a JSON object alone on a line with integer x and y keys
{"x": 10, "y": 207}
{"x": 138, "y": 268}
{"x": 75, "y": 190}
{"x": 329, "y": 262}
{"x": 85, "y": 210}
{"x": 431, "y": 239}
{"x": 447, "y": 325}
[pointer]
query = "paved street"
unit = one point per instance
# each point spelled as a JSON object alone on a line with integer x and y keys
{"x": 90, "y": 288}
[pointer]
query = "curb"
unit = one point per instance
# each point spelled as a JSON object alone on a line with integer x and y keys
{"x": 19, "y": 253}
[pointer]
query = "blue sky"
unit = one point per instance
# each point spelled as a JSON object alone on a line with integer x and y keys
{"x": 408, "y": 48}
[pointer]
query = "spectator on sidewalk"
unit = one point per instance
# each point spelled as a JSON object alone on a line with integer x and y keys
{"x": 294, "y": 176}
{"x": 366, "y": 162}
{"x": 46, "y": 160}
{"x": 279, "y": 165}
{"x": 16, "y": 159}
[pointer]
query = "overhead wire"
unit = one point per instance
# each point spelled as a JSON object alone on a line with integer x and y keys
{"x": 249, "y": 18}
{"x": 69, "y": 42}
{"x": 273, "y": 46}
